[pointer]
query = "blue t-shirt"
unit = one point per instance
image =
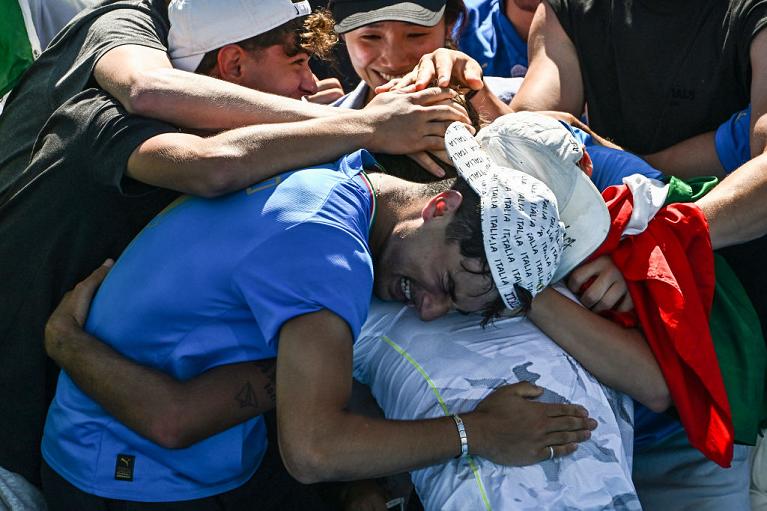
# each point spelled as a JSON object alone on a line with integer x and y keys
{"x": 733, "y": 140}
{"x": 490, "y": 38}
{"x": 612, "y": 165}
{"x": 210, "y": 282}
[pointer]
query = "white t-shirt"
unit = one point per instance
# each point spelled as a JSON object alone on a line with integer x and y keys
{"x": 421, "y": 370}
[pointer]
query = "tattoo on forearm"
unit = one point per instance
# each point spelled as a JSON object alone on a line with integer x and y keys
{"x": 269, "y": 370}
{"x": 246, "y": 397}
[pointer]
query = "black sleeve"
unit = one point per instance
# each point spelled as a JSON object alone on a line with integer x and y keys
{"x": 110, "y": 27}
{"x": 119, "y": 27}
{"x": 97, "y": 130}
{"x": 749, "y": 17}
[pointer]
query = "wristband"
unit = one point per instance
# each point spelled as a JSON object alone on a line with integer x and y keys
{"x": 462, "y": 435}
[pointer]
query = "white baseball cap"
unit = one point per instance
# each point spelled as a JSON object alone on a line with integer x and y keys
{"x": 546, "y": 149}
{"x": 200, "y": 26}
{"x": 521, "y": 230}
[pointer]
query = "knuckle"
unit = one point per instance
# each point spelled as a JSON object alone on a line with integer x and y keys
{"x": 578, "y": 276}
{"x": 571, "y": 410}
{"x": 588, "y": 299}
{"x": 570, "y": 437}
{"x": 574, "y": 283}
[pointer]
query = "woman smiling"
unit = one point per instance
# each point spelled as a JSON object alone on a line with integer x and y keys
{"x": 387, "y": 39}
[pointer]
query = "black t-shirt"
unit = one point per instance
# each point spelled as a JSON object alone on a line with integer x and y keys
{"x": 72, "y": 208}
{"x": 66, "y": 68}
{"x": 656, "y": 72}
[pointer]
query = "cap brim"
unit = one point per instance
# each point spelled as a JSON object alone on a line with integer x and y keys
{"x": 587, "y": 223}
{"x": 190, "y": 63}
{"x": 405, "y": 11}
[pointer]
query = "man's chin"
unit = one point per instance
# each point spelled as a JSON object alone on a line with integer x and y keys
{"x": 380, "y": 292}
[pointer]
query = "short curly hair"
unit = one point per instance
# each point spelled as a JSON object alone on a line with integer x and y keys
{"x": 313, "y": 35}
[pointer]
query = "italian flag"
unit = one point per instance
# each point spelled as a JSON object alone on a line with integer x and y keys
{"x": 693, "y": 311}
{"x": 19, "y": 45}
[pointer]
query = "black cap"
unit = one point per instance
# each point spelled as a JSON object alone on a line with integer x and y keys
{"x": 351, "y": 14}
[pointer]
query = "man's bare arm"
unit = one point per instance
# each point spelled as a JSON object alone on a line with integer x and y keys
{"x": 392, "y": 123}
{"x": 553, "y": 80}
{"x": 169, "y": 412}
{"x": 617, "y": 356}
{"x": 737, "y": 208}
{"x": 143, "y": 80}
{"x": 321, "y": 440}
{"x": 689, "y": 158}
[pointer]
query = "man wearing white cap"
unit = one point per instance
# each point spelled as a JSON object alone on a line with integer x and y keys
{"x": 218, "y": 269}
{"x": 418, "y": 370}
{"x": 551, "y": 248}
{"x": 525, "y": 257}
{"x": 97, "y": 174}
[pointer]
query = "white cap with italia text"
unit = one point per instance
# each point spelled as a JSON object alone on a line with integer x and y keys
{"x": 521, "y": 231}
{"x": 545, "y": 148}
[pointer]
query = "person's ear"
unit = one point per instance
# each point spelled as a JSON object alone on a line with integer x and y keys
{"x": 229, "y": 63}
{"x": 441, "y": 204}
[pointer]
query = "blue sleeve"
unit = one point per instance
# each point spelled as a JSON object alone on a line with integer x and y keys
{"x": 307, "y": 268}
{"x": 733, "y": 140}
{"x": 465, "y": 32}
{"x": 612, "y": 165}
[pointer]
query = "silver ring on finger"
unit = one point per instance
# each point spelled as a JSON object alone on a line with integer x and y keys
{"x": 551, "y": 453}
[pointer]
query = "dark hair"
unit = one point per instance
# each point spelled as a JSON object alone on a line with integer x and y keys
{"x": 455, "y": 17}
{"x": 312, "y": 34}
{"x": 466, "y": 229}
{"x": 406, "y": 168}
{"x": 466, "y": 226}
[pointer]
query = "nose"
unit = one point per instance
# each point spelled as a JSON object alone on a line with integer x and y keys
{"x": 308, "y": 84}
{"x": 433, "y": 306}
{"x": 394, "y": 56}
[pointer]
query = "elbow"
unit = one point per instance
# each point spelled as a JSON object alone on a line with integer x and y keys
{"x": 211, "y": 171}
{"x": 307, "y": 463}
{"x": 169, "y": 430}
{"x": 167, "y": 435}
{"x": 216, "y": 183}
{"x": 145, "y": 93}
{"x": 218, "y": 169}
{"x": 659, "y": 400}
